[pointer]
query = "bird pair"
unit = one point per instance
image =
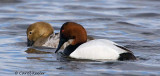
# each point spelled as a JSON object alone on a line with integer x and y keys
{"x": 75, "y": 42}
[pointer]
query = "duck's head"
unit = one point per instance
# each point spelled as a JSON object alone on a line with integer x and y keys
{"x": 38, "y": 30}
{"x": 72, "y": 30}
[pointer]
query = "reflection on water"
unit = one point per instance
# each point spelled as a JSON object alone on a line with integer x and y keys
{"x": 34, "y": 51}
{"x": 134, "y": 24}
{"x": 31, "y": 50}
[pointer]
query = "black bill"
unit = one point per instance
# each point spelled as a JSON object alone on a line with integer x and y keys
{"x": 29, "y": 43}
{"x": 61, "y": 42}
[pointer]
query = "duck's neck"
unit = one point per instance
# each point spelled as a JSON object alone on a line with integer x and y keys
{"x": 40, "y": 41}
{"x": 70, "y": 48}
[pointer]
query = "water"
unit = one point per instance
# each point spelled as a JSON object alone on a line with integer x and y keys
{"x": 134, "y": 24}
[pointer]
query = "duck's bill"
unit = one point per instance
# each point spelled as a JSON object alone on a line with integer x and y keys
{"x": 61, "y": 42}
{"x": 29, "y": 42}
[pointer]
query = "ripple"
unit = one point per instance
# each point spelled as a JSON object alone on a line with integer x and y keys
{"x": 133, "y": 24}
{"x": 128, "y": 24}
{"x": 10, "y": 1}
{"x": 146, "y": 15}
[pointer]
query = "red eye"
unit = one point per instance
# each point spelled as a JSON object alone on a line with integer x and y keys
{"x": 62, "y": 30}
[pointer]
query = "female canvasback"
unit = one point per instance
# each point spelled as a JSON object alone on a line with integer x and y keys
{"x": 42, "y": 34}
{"x": 94, "y": 49}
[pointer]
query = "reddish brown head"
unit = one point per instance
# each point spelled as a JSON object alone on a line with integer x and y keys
{"x": 72, "y": 30}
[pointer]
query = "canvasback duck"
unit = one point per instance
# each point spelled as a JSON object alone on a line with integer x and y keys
{"x": 96, "y": 49}
{"x": 42, "y": 34}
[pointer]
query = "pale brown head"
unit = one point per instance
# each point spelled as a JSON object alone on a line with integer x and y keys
{"x": 72, "y": 30}
{"x": 37, "y": 31}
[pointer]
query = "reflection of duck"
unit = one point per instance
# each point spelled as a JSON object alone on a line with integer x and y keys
{"x": 95, "y": 49}
{"x": 42, "y": 34}
{"x": 31, "y": 51}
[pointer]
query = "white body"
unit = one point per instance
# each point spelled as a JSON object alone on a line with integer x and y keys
{"x": 98, "y": 49}
{"x": 53, "y": 41}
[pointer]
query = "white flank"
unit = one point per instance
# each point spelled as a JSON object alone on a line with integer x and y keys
{"x": 97, "y": 49}
{"x": 53, "y": 41}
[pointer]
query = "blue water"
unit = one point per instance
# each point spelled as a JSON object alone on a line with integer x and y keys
{"x": 134, "y": 24}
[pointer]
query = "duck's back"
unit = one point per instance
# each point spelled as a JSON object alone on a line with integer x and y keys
{"x": 98, "y": 49}
{"x": 53, "y": 41}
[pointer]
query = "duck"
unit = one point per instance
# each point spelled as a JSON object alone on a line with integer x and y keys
{"x": 97, "y": 49}
{"x": 41, "y": 34}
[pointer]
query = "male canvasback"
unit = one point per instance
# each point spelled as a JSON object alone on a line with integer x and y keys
{"x": 42, "y": 34}
{"x": 94, "y": 49}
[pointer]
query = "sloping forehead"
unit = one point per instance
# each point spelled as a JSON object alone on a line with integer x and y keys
{"x": 71, "y": 26}
{"x": 29, "y": 28}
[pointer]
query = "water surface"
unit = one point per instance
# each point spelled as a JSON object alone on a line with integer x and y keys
{"x": 134, "y": 24}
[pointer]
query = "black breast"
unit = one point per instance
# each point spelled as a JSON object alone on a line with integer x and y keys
{"x": 70, "y": 48}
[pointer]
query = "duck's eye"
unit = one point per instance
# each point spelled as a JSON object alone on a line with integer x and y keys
{"x": 30, "y": 33}
{"x": 62, "y": 30}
